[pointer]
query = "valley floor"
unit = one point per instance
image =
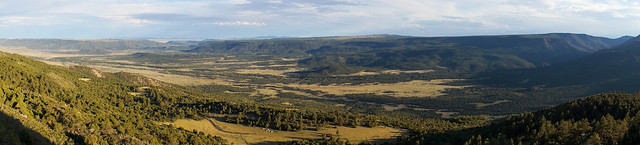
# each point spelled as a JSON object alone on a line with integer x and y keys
{"x": 242, "y": 134}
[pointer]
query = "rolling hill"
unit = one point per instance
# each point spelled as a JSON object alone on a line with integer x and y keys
{"x": 604, "y": 70}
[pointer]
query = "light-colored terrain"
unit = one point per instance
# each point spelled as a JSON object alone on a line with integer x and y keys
{"x": 480, "y": 105}
{"x": 36, "y": 54}
{"x": 386, "y": 72}
{"x": 46, "y": 54}
{"x": 415, "y": 88}
{"x": 172, "y": 78}
{"x": 268, "y": 71}
{"x": 241, "y": 134}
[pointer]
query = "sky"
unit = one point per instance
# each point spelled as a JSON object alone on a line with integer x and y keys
{"x": 216, "y": 19}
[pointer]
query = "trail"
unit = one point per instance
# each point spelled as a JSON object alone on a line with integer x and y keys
{"x": 235, "y": 133}
{"x": 219, "y": 128}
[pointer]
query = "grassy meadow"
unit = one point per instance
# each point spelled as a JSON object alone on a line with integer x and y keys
{"x": 242, "y": 135}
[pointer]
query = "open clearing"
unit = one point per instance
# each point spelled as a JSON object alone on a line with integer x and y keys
{"x": 48, "y": 54}
{"x": 392, "y": 108}
{"x": 176, "y": 79}
{"x": 241, "y": 134}
{"x": 415, "y": 88}
{"x": 37, "y": 54}
{"x": 446, "y": 113}
{"x": 386, "y": 72}
{"x": 480, "y": 105}
{"x": 268, "y": 71}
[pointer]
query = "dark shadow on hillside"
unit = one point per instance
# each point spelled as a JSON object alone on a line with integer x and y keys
{"x": 13, "y": 132}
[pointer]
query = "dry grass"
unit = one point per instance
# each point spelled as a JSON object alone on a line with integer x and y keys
{"x": 114, "y": 61}
{"x": 300, "y": 93}
{"x": 97, "y": 73}
{"x": 288, "y": 59}
{"x": 268, "y": 92}
{"x": 392, "y": 72}
{"x": 362, "y": 73}
{"x": 405, "y": 71}
{"x": 275, "y": 65}
{"x": 172, "y": 78}
{"x": 392, "y": 108}
{"x": 241, "y": 134}
{"x": 61, "y": 53}
{"x": 267, "y": 71}
{"x": 445, "y": 113}
{"x": 223, "y": 61}
{"x": 415, "y": 88}
{"x": 480, "y": 105}
{"x": 423, "y": 109}
{"x": 37, "y": 54}
{"x": 184, "y": 69}
{"x": 134, "y": 93}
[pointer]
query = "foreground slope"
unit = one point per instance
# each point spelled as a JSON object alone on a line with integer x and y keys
{"x": 44, "y": 104}
{"x": 612, "y": 118}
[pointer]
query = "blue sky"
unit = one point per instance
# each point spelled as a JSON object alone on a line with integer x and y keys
{"x": 307, "y": 18}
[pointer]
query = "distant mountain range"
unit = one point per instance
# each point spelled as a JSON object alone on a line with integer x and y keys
{"x": 85, "y": 46}
{"x": 462, "y": 54}
{"x": 550, "y": 60}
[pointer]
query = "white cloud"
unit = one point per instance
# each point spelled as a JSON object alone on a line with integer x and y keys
{"x": 325, "y": 17}
{"x": 127, "y": 19}
{"x": 239, "y": 23}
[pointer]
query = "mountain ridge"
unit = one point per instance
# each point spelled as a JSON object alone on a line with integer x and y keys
{"x": 615, "y": 64}
{"x": 462, "y": 53}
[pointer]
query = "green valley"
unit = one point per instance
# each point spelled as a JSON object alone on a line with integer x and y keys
{"x": 324, "y": 90}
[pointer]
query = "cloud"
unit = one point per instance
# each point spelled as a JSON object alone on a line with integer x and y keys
{"x": 172, "y": 17}
{"x": 213, "y": 19}
{"x": 240, "y": 23}
{"x": 296, "y": 7}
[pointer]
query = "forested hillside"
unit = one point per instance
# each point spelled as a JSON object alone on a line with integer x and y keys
{"x": 605, "y": 70}
{"x": 616, "y": 64}
{"x": 78, "y": 105}
{"x": 611, "y": 118}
